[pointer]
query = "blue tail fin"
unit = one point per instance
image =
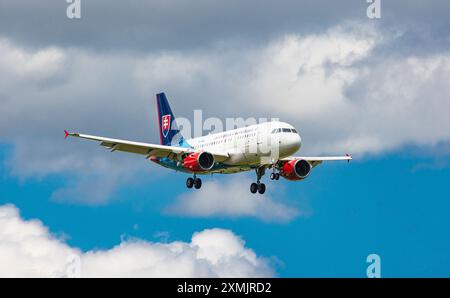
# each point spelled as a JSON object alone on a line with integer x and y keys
{"x": 169, "y": 134}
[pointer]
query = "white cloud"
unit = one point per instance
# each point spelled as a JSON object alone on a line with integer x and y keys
{"x": 345, "y": 89}
{"x": 304, "y": 76}
{"x": 232, "y": 198}
{"x": 28, "y": 249}
{"x": 345, "y": 97}
{"x": 28, "y": 66}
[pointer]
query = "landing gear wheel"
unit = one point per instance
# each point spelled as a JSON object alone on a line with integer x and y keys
{"x": 274, "y": 176}
{"x": 261, "y": 188}
{"x": 189, "y": 182}
{"x": 253, "y": 187}
{"x": 197, "y": 183}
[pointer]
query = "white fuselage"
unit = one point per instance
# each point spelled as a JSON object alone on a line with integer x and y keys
{"x": 248, "y": 145}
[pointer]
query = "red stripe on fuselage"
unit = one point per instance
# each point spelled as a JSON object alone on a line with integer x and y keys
{"x": 159, "y": 121}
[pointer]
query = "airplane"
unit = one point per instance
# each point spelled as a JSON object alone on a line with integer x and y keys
{"x": 228, "y": 152}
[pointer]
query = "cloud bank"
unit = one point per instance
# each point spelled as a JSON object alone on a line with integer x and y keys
{"x": 350, "y": 88}
{"x": 28, "y": 249}
{"x": 232, "y": 199}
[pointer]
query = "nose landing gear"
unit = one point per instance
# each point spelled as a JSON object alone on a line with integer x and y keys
{"x": 274, "y": 176}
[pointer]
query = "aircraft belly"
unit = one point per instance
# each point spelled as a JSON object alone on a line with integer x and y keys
{"x": 231, "y": 170}
{"x": 252, "y": 158}
{"x": 236, "y": 159}
{"x": 221, "y": 168}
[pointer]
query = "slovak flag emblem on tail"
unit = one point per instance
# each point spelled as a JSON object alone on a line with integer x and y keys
{"x": 165, "y": 126}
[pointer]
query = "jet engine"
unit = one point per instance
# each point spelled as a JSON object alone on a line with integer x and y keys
{"x": 199, "y": 161}
{"x": 296, "y": 169}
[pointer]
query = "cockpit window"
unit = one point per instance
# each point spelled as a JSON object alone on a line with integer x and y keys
{"x": 278, "y": 130}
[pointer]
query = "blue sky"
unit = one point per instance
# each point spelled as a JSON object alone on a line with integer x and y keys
{"x": 375, "y": 88}
{"x": 382, "y": 205}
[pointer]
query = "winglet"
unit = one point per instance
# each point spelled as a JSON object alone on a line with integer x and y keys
{"x": 66, "y": 134}
{"x": 350, "y": 157}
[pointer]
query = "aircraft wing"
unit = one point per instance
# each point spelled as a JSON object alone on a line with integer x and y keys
{"x": 146, "y": 149}
{"x": 316, "y": 160}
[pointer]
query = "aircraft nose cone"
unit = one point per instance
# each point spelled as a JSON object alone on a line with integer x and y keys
{"x": 296, "y": 142}
{"x": 292, "y": 143}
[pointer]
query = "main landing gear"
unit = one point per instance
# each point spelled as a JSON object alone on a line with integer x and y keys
{"x": 258, "y": 186}
{"x": 194, "y": 182}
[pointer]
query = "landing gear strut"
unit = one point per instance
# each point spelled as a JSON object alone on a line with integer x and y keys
{"x": 194, "y": 182}
{"x": 258, "y": 186}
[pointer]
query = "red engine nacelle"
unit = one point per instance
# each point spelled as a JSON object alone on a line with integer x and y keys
{"x": 199, "y": 162}
{"x": 296, "y": 169}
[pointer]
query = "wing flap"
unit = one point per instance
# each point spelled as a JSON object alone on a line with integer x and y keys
{"x": 146, "y": 149}
{"x": 317, "y": 160}
{"x": 143, "y": 150}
